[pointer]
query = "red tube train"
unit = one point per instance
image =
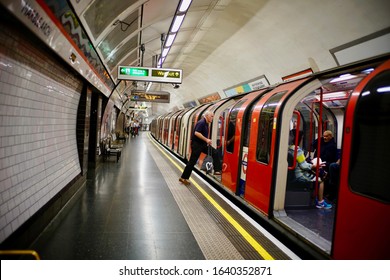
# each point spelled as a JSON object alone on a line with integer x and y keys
{"x": 251, "y": 132}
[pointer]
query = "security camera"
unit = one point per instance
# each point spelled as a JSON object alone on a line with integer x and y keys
{"x": 175, "y": 86}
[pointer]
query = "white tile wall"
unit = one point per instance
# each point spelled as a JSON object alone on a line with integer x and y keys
{"x": 38, "y": 150}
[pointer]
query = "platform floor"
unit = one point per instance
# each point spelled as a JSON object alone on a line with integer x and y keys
{"x": 136, "y": 209}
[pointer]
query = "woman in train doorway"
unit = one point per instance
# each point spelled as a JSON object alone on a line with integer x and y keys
{"x": 303, "y": 171}
{"x": 199, "y": 144}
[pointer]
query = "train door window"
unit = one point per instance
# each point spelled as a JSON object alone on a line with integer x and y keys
{"x": 200, "y": 112}
{"x": 178, "y": 122}
{"x": 193, "y": 121}
{"x": 173, "y": 128}
{"x": 328, "y": 120}
{"x": 248, "y": 122}
{"x": 265, "y": 128}
{"x": 370, "y": 155}
{"x": 232, "y": 126}
{"x": 223, "y": 130}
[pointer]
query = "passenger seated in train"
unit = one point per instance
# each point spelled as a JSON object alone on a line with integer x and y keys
{"x": 328, "y": 154}
{"x": 303, "y": 173}
{"x": 328, "y": 149}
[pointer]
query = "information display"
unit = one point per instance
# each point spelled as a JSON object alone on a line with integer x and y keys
{"x": 155, "y": 96}
{"x": 161, "y": 75}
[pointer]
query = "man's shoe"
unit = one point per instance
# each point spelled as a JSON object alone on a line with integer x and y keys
{"x": 323, "y": 205}
{"x": 184, "y": 181}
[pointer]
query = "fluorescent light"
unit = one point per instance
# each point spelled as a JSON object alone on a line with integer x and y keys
{"x": 343, "y": 78}
{"x": 368, "y": 71}
{"x": 337, "y": 94}
{"x": 174, "y": 28}
{"x": 161, "y": 61}
{"x": 333, "y": 95}
{"x": 177, "y": 23}
{"x": 383, "y": 90}
{"x": 184, "y": 5}
{"x": 165, "y": 52}
{"x": 170, "y": 39}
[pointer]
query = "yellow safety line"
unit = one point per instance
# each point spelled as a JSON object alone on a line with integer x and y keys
{"x": 20, "y": 252}
{"x": 227, "y": 216}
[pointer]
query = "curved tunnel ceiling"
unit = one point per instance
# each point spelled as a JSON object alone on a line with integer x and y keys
{"x": 118, "y": 28}
{"x": 217, "y": 39}
{"x": 118, "y": 32}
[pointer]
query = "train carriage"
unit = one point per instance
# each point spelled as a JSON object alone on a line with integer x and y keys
{"x": 252, "y": 134}
{"x": 333, "y": 89}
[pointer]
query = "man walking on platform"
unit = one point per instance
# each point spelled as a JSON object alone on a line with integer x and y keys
{"x": 199, "y": 144}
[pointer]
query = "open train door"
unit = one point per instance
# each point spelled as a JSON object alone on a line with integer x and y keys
{"x": 364, "y": 196}
{"x": 262, "y": 145}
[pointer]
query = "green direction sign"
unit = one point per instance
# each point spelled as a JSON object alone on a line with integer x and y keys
{"x": 133, "y": 71}
{"x": 161, "y": 75}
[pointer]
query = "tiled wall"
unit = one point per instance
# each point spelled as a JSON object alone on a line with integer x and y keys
{"x": 38, "y": 109}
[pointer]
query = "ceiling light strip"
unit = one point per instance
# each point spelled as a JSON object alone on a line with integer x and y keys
{"x": 176, "y": 23}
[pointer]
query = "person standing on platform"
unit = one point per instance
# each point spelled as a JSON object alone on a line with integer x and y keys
{"x": 199, "y": 144}
{"x": 136, "y": 127}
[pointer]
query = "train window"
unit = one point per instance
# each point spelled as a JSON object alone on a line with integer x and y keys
{"x": 248, "y": 123}
{"x": 232, "y": 126}
{"x": 265, "y": 127}
{"x": 370, "y": 156}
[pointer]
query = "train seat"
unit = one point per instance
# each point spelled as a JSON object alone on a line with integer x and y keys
{"x": 298, "y": 194}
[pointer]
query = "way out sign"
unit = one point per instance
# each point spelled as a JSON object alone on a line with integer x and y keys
{"x": 148, "y": 74}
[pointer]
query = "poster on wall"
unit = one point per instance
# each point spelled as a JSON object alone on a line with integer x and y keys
{"x": 106, "y": 122}
{"x": 190, "y": 104}
{"x": 209, "y": 98}
{"x": 251, "y": 85}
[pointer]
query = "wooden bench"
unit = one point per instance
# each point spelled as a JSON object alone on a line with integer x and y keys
{"x": 110, "y": 149}
{"x": 114, "y": 152}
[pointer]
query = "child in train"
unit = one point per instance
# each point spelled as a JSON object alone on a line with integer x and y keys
{"x": 303, "y": 172}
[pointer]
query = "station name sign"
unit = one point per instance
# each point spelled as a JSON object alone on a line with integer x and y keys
{"x": 148, "y": 74}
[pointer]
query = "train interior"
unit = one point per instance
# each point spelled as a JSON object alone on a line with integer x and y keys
{"x": 323, "y": 109}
